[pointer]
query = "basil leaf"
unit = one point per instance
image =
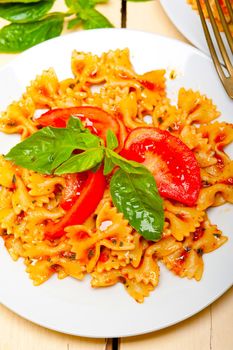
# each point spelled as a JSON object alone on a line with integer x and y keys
{"x": 136, "y": 196}
{"x": 74, "y": 22}
{"x": 88, "y": 140}
{"x": 93, "y": 19}
{"x": 81, "y": 162}
{"x": 100, "y": 1}
{"x": 111, "y": 139}
{"x": 85, "y": 4}
{"x": 108, "y": 165}
{"x": 87, "y": 15}
{"x": 22, "y": 1}
{"x": 72, "y": 4}
{"x": 22, "y": 13}
{"x": 69, "y": 3}
{"x": 78, "y": 5}
{"x": 128, "y": 166}
{"x": 75, "y": 123}
{"x": 17, "y": 37}
{"x": 49, "y": 147}
{"x": 96, "y": 168}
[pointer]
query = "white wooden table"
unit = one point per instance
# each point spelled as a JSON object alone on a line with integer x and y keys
{"x": 210, "y": 329}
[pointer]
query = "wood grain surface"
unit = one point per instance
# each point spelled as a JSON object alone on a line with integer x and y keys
{"x": 211, "y": 329}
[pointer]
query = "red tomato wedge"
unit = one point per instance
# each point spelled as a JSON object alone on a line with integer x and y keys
{"x": 72, "y": 190}
{"x": 94, "y": 118}
{"x": 91, "y": 193}
{"x": 172, "y": 163}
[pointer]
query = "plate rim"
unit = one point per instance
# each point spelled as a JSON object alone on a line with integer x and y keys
{"x": 189, "y": 36}
{"x": 21, "y": 55}
{"x": 88, "y": 33}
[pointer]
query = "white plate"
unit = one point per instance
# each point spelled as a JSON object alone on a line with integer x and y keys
{"x": 189, "y": 24}
{"x": 74, "y": 307}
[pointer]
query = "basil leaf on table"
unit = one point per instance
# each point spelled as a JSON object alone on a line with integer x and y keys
{"x": 90, "y": 3}
{"x": 93, "y": 19}
{"x": 84, "y": 4}
{"x": 78, "y": 5}
{"x": 136, "y": 196}
{"x": 49, "y": 147}
{"x": 22, "y": 13}
{"x": 72, "y": 4}
{"x": 100, "y": 1}
{"x": 22, "y": 1}
{"x": 81, "y": 162}
{"x": 112, "y": 141}
{"x": 74, "y": 22}
{"x": 17, "y": 37}
{"x": 90, "y": 19}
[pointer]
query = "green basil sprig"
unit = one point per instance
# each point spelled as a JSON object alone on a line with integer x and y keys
{"x": 78, "y": 5}
{"x": 49, "y": 147}
{"x": 81, "y": 162}
{"x": 93, "y": 19}
{"x": 16, "y": 37}
{"x": 25, "y": 12}
{"x": 132, "y": 186}
{"x": 87, "y": 15}
{"x": 136, "y": 196}
{"x": 22, "y": 1}
{"x": 128, "y": 166}
{"x": 30, "y": 24}
{"x": 112, "y": 141}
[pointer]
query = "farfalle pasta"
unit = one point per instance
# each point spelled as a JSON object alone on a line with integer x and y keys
{"x": 106, "y": 246}
{"x": 223, "y": 5}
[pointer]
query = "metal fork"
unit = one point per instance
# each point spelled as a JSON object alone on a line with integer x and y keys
{"x": 227, "y": 80}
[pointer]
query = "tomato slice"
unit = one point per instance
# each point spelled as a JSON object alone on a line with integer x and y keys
{"x": 172, "y": 163}
{"x": 85, "y": 204}
{"x": 94, "y": 118}
{"x": 74, "y": 184}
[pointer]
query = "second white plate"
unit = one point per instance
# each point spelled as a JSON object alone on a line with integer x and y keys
{"x": 189, "y": 24}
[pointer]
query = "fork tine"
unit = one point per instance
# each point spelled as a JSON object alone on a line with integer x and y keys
{"x": 225, "y": 25}
{"x": 230, "y": 10}
{"x": 219, "y": 38}
{"x": 210, "y": 44}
